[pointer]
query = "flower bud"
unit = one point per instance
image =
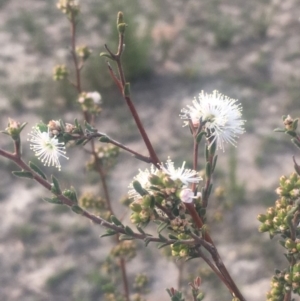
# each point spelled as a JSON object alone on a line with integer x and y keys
{"x": 60, "y": 72}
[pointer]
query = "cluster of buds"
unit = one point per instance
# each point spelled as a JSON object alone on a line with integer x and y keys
{"x": 284, "y": 282}
{"x": 69, "y": 7}
{"x": 292, "y": 246}
{"x": 83, "y": 52}
{"x": 196, "y": 292}
{"x": 59, "y": 128}
{"x": 138, "y": 297}
{"x": 96, "y": 204}
{"x": 277, "y": 291}
{"x": 277, "y": 218}
{"x": 90, "y": 101}
{"x": 157, "y": 200}
{"x": 106, "y": 157}
{"x": 60, "y": 72}
{"x": 113, "y": 297}
{"x": 179, "y": 224}
{"x": 125, "y": 249}
{"x": 14, "y": 129}
{"x": 140, "y": 282}
{"x": 181, "y": 250}
{"x": 290, "y": 128}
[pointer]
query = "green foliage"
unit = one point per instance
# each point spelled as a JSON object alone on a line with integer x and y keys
{"x": 58, "y": 279}
{"x": 224, "y": 31}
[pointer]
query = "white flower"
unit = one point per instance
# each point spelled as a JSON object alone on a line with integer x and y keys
{"x": 94, "y": 96}
{"x": 184, "y": 175}
{"x": 143, "y": 179}
{"x": 47, "y": 149}
{"x": 221, "y": 117}
{"x": 187, "y": 195}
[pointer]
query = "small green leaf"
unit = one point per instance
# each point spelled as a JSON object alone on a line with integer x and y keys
{"x": 80, "y": 141}
{"x": 37, "y": 170}
{"x": 125, "y": 237}
{"x": 161, "y": 245}
{"x": 127, "y": 90}
{"x": 67, "y": 137}
{"x": 53, "y": 201}
{"x": 23, "y": 174}
{"x": 208, "y": 170}
{"x": 140, "y": 230}
{"x": 106, "y": 54}
{"x": 77, "y": 209}
{"x": 295, "y": 124}
{"x": 209, "y": 190}
{"x": 76, "y": 123}
{"x": 109, "y": 232}
{"x": 90, "y": 128}
{"x": 115, "y": 221}
{"x": 162, "y": 237}
{"x": 199, "y": 137}
{"x": 104, "y": 139}
{"x": 296, "y": 142}
{"x": 214, "y": 163}
{"x": 292, "y": 133}
{"x": 147, "y": 241}
{"x": 279, "y": 130}
{"x": 171, "y": 236}
{"x": 129, "y": 231}
{"x": 162, "y": 226}
{"x": 138, "y": 187}
{"x": 55, "y": 186}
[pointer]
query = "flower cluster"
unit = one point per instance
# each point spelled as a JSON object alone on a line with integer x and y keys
{"x": 47, "y": 147}
{"x": 276, "y": 219}
{"x": 125, "y": 249}
{"x": 156, "y": 194}
{"x": 60, "y": 72}
{"x": 90, "y": 101}
{"x": 284, "y": 282}
{"x": 219, "y": 116}
{"x": 68, "y": 7}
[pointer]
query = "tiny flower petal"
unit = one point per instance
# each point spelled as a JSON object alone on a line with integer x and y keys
{"x": 187, "y": 195}
{"x": 95, "y": 96}
{"x": 221, "y": 117}
{"x": 184, "y": 175}
{"x": 47, "y": 149}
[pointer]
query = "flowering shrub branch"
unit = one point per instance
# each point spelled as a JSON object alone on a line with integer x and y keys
{"x": 173, "y": 199}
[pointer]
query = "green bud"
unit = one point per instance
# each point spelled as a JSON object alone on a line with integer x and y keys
{"x": 60, "y": 72}
{"x": 120, "y": 18}
{"x": 262, "y": 218}
{"x": 105, "y": 54}
{"x": 127, "y": 90}
{"x": 83, "y": 52}
{"x": 135, "y": 218}
{"x": 288, "y": 278}
{"x": 290, "y": 244}
{"x": 263, "y": 228}
{"x": 147, "y": 201}
{"x": 155, "y": 180}
{"x": 135, "y": 207}
{"x": 121, "y": 28}
{"x": 145, "y": 215}
{"x": 14, "y": 129}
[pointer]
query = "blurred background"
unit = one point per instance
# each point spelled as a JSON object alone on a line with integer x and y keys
{"x": 248, "y": 50}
